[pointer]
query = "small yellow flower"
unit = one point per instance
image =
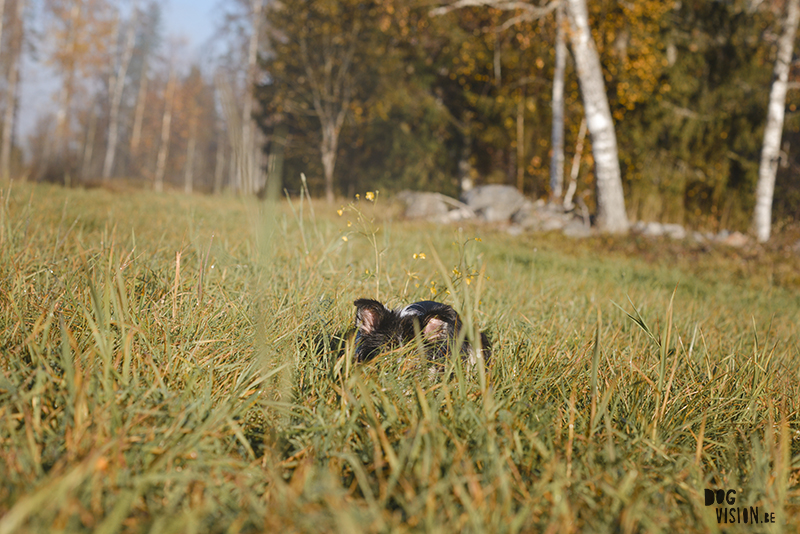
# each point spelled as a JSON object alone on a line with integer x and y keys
{"x": 469, "y": 281}
{"x": 340, "y": 211}
{"x": 349, "y": 224}
{"x": 456, "y": 272}
{"x": 370, "y": 196}
{"x": 358, "y": 197}
{"x": 419, "y": 256}
{"x": 479, "y": 240}
{"x": 344, "y": 238}
{"x": 433, "y": 290}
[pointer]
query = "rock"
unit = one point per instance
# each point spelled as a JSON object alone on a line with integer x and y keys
{"x": 550, "y": 224}
{"x": 655, "y": 229}
{"x": 434, "y": 207}
{"x": 577, "y": 229}
{"x": 526, "y": 216}
{"x": 675, "y": 231}
{"x": 494, "y": 203}
{"x": 423, "y": 205}
{"x": 736, "y": 240}
{"x": 542, "y": 217}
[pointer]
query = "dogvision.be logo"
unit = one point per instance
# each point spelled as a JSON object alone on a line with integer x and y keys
{"x": 728, "y": 513}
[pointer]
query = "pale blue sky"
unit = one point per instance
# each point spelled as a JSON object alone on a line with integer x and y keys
{"x": 193, "y": 19}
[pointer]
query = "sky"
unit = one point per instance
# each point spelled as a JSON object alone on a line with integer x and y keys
{"x": 192, "y": 20}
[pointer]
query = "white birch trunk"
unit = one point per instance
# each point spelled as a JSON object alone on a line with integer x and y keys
{"x": 219, "y": 160}
{"x": 62, "y": 115}
{"x": 521, "y": 143}
{"x": 188, "y": 176}
{"x": 11, "y": 92}
{"x": 116, "y": 86}
{"x": 770, "y": 151}
{"x": 2, "y": 17}
{"x": 248, "y": 161}
{"x": 163, "y": 149}
{"x": 557, "y": 132}
{"x": 330, "y": 144}
{"x": 88, "y": 147}
{"x": 611, "y": 215}
{"x": 232, "y": 173}
{"x": 239, "y": 154}
{"x": 138, "y": 115}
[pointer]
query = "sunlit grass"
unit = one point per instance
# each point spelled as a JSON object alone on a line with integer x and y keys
{"x": 176, "y": 364}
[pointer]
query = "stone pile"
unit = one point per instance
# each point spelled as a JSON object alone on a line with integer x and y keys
{"x": 504, "y": 204}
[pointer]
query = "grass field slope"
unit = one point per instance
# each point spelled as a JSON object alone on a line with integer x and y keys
{"x": 184, "y": 364}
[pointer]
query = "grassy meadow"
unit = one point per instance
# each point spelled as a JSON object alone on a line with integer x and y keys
{"x": 182, "y": 364}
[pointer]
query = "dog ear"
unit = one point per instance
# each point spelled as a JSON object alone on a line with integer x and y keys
{"x": 436, "y": 328}
{"x": 369, "y": 315}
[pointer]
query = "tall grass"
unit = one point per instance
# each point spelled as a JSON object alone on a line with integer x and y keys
{"x": 176, "y": 364}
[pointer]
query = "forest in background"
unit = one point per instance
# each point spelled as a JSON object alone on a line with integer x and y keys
{"x": 423, "y": 98}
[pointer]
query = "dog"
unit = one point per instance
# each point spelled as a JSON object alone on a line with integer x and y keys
{"x": 379, "y": 330}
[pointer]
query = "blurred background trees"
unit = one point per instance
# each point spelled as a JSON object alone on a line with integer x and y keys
{"x": 363, "y": 95}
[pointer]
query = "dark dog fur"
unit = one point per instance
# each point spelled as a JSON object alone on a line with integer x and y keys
{"x": 380, "y": 329}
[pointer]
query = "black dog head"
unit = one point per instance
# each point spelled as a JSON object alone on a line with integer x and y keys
{"x": 380, "y": 329}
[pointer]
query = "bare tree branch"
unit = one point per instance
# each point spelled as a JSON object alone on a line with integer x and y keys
{"x": 529, "y": 11}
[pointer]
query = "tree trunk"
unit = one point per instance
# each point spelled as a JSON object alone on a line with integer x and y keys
{"x": 248, "y": 137}
{"x": 163, "y": 149}
{"x": 768, "y": 167}
{"x": 235, "y": 132}
{"x": 521, "y": 142}
{"x": 188, "y": 176}
{"x": 465, "y": 172}
{"x": 2, "y": 17}
{"x": 576, "y": 167}
{"x": 557, "y": 132}
{"x": 611, "y": 216}
{"x": 138, "y": 115}
{"x": 11, "y": 92}
{"x": 219, "y": 160}
{"x": 62, "y": 116}
{"x": 88, "y": 147}
{"x": 330, "y": 143}
{"x": 275, "y": 164}
{"x": 116, "y": 85}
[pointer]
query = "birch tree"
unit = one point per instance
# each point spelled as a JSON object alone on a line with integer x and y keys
{"x": 115, "y": 87}
{"x": 611, "y": 215}
{"x": 148, "y": 40}
{"x": 166, "y": 123}
{"x": 79, "y": 33}
{"x": 770, "y": 152}
{"x": 557, "y": 133}
{"x": 11, "y": 89}
{"x": 249, "y": 167}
